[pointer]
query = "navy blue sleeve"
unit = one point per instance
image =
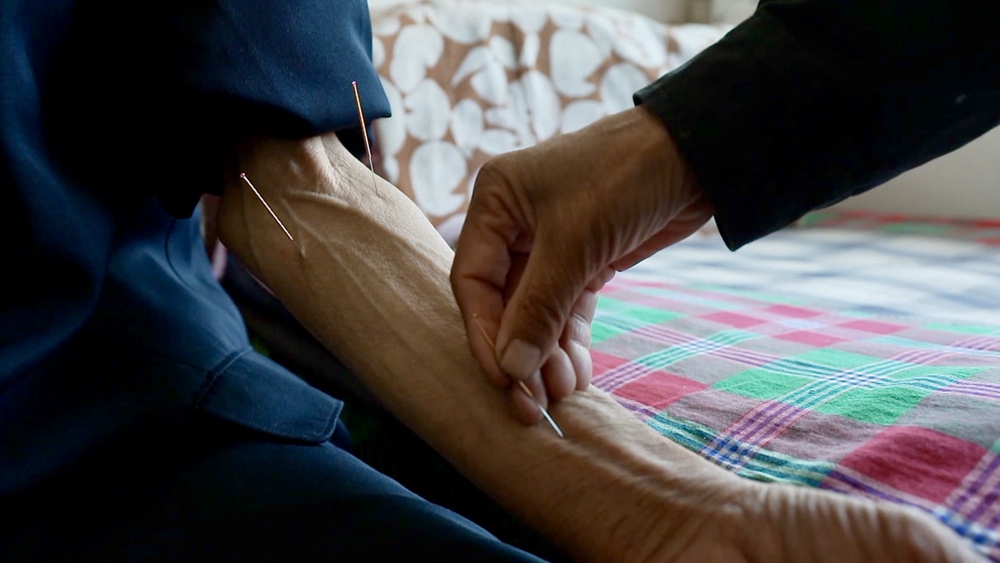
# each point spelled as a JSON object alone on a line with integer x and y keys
{"x": 156, "y": 92}
{"x": 812, "y": 101}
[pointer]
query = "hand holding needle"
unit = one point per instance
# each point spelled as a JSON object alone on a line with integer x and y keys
{"x": 368, "y": 151}
{"x": 548, "y": 417}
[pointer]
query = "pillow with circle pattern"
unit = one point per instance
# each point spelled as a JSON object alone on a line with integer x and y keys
{"x": 471, "y": 79}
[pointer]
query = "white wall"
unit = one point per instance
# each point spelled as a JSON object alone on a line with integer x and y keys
{"x": 965, "y": 183}
{"x": 663, "y": 10}
{"x": 731, "y": 11}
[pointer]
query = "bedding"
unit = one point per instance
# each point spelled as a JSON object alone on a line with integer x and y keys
{"x": 858, "y": 353}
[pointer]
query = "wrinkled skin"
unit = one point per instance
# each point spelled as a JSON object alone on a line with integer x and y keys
{"x": 548, "y": 226}
{"x": 369, "y": 278}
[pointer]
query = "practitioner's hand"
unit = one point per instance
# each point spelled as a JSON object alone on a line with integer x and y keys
{"x": 548, "y": 226}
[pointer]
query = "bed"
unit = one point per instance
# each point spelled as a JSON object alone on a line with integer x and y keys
{"x": 853, "y": 352}
{"x": 857, "y": 353}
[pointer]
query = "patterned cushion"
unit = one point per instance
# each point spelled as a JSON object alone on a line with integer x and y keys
{"x": 469, "y": 80}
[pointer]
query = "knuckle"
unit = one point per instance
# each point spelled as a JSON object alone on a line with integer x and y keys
{"x": 492, "y": 174}
{"x": 578, "y": 330}
{"x": 541, "y": 315}
{"x": 455, "y": 277}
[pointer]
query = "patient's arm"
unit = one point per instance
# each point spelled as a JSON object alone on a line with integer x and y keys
{"x": 371, "y": 283}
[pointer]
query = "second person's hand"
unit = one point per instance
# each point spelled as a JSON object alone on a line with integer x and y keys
{"x": 547, "y": 227}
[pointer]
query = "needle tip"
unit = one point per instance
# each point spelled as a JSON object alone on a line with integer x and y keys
{"x": 527, "y": 391}
{"x": 243, "y": 175}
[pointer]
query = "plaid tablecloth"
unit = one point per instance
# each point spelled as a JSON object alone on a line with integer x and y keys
{"x": 864, "y": 360}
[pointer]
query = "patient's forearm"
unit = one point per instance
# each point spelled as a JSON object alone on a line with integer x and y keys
{"x": 372, "y": 285}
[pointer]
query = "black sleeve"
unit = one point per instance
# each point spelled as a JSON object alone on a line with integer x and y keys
{"x": 147, "y": 97}
{"x": 811, "y": 101}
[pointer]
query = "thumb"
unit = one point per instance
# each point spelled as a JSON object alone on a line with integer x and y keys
{"x": 536, "y": 313}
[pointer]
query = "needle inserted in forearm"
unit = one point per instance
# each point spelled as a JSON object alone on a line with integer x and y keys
{"x": 527, "y": 391}
{"x": 364, "y": 130}
{"x": 271, "y": 211}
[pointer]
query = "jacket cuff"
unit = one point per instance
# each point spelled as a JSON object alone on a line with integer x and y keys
{"x": 766, "y": 132}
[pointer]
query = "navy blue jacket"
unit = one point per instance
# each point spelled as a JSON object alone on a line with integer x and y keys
{"x": 114, "y": 118}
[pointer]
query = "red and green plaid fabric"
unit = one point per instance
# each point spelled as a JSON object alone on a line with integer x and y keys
{"x": 791, "y": 388}
{"x": 983, "y": 231}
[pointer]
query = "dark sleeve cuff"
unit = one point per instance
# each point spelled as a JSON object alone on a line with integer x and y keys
{"x": 809, "y": 102}
{"x": 168, "y": 93}
{"x": 283, "y": 69}
{"x": 744, "y": 109}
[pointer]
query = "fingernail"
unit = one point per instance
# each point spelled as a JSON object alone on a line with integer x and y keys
{"x": 520, "y": 359}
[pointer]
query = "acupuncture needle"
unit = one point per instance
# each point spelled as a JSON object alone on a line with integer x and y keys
{"x": 368, "y": 151}
{"x": 364, "y": 130}
{"x": 269, "y": 210}
{"x": 545, "y": 414}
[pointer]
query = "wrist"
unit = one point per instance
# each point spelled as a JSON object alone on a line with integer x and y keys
{"x": 676, "y": 179}
{"x": 672, "y": 493}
